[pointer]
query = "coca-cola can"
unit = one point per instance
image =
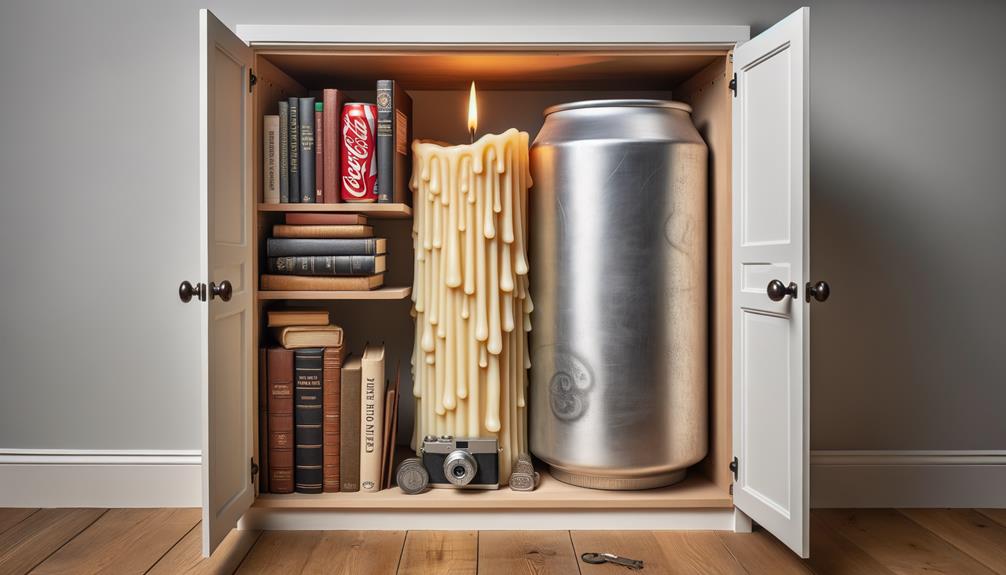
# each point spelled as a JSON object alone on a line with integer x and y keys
{"x": 359, "y": 152}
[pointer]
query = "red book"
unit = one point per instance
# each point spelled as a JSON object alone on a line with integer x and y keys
{"x": 309, "y": 219}
{"x": 280, "y": 382}
{"x": 331, "y": 118}
{"x": 331, "y": 392}
{"x": 319, "y": 160}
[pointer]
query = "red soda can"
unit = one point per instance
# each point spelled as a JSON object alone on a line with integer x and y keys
{"x": 359, "y": 152}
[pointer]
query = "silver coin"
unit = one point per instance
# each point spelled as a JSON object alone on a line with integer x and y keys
{"x": 412, "y": 476}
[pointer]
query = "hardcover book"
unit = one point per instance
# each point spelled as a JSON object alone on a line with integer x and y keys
{"x": 279, "y": 247}
{"x": 331, "y": 380}
{"x": 308, "y": 219}
{"x": 308, "y": 421}
{"x": 332, "y": 120}
{"x": 280, "y": 374}
{"x": 308, "y": 336}
{"x": 284, "y": 152}
{"x": 317, "y": 283}
{"x": 352, "y": 231}
{"x": 394, "y": 136}
{"x": 349, "y": 425}
{"x": 371, "y": 417}
{"x": 319, "y": 153}
{"x": 326, "y": 266}
{"x": 294, "y": 317}
{"x": 389, "y": 469}
{"x": 306, "y": 137}
{"x": 270, "y": 159}
{"x": 293, "y": 149}
{"x": 263, "y": 420}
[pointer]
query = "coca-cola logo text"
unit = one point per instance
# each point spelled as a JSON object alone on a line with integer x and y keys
{"x": 355, "y": 132}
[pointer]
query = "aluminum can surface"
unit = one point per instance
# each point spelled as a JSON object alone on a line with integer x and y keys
{"x": 618, "y": 384}
{"x": 358, "y": 150}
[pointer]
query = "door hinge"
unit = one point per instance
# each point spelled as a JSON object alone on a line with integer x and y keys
{"x": 252, "y": 79}
{"x": 734, "y": 467}
{"x": 733, "y": 84}
{"x": 254, "y": 470}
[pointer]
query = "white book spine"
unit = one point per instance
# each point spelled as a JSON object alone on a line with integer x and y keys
{"x": 371, "y": 421}
{"x": 270, "y": 159}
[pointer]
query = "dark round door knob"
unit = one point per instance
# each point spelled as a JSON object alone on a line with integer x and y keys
{"x": 187, "y": 291}
{"x": 819, "y": 291}
{"x": 224, "y": 290}
{"x": 777, "y": 291}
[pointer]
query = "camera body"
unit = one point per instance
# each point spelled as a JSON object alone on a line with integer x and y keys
{"x": 461, "y": 463}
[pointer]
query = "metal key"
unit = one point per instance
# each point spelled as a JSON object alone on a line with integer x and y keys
{"x": 598, "y": 558}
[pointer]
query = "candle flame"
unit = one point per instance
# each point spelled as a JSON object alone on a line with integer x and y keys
{"x": 473, "y": 112}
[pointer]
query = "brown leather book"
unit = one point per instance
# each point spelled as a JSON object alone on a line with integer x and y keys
{"x": 319, "y": 153}
{"x": 331, "y": 389}
{"x": 311, "y": 219}
{"x": 349, "y": 424}
{"x": 288, "y": 317}
{"x": 280, "y": 370}
{"x": 331, "y": 121}
{"x": 314, "y": 283}
{"x": 263, "y": 421}
{"x": 305, "y": 336}
{"x": 352, "y": 231}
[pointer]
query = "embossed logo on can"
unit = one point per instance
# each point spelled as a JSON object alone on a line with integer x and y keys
{"x": 569, "y": 385}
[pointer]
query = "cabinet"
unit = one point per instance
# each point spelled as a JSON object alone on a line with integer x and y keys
{"x": 750, "y": 101}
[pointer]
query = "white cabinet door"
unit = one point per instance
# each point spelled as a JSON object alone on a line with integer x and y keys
{"x": 771, "y": 242}
{"x": 228, "y": 361}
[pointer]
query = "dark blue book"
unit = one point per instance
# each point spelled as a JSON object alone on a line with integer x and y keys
{"x": 308, "y": 420}
{"x": 293, "y": 129}
{"x": 306, "y": 160}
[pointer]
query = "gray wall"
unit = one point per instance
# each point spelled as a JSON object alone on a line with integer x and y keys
{"x": 98, "y": 211}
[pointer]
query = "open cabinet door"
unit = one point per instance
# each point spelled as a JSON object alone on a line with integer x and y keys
{"x": 770, "y": 272}
{"x": 228, "y": 361}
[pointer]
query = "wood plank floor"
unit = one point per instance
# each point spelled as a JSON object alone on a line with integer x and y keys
{"x": 167, "y": 541}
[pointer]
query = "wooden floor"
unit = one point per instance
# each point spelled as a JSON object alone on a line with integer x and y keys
{"x": 166, "y": 541}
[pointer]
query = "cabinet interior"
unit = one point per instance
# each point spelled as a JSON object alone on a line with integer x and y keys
{"x": 514, "y": 87}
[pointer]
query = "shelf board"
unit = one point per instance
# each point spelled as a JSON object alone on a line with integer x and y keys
{"x": 386, "y": 293}
{"x": 380, "y": 211}
{"x": 695, "y": 492}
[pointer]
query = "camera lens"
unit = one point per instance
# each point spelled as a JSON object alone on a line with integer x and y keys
{"x": 460, "y": 467}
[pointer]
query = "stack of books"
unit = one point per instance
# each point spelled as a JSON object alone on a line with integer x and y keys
{"x": 324, "y": 252}
{"x": 302, "y": 147}
{"x": 327, "y": 423}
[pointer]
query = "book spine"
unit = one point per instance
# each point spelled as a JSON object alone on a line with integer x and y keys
{"x": 371, "y": 424}
{"x": 293, "y": 147}
{"x": 277, "y": 247}
{"x": 324, "y": 265}
{"x": 303, "y": 219}
{"x": 308, "y": 421}
{"x": 270, "y": 159}
{"x": 281, "y": 440}
{"x": 332, "y": 378}
{"x": 385, "y": 141}
{"x": 349, "y": 429}
{"x": 319, "y": 153}
{"x": 306, "y": 115}
{"x": 284, "y": 152}
{"x": 331, "y": 118}
{"x": 263, "y": 421}
{"x": 321, "y": 283}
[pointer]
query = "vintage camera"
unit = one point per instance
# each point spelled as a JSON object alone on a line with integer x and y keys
{"x": 469, "y": 463}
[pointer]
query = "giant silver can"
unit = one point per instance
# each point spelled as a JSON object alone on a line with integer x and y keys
{"x": 619, "y": 275}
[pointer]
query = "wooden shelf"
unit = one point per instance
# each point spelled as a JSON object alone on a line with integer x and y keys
{"x": 379, "y": 211}
{"x": 695, "y": 492}
{"x": 384, "y": 293}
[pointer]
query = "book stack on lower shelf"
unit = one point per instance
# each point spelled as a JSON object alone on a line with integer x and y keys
{"x": 324, "y": 252}
{"x": 327, "y": 423}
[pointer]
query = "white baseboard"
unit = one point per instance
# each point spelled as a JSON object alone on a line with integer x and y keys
{"x": 908, "y": 479}
{"x": 92, "y": 478}
{"x": 500, "y": 519}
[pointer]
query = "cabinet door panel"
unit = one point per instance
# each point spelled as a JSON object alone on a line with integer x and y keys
{"x": 229, "y": 361}
{"x": 770, "y": 231}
